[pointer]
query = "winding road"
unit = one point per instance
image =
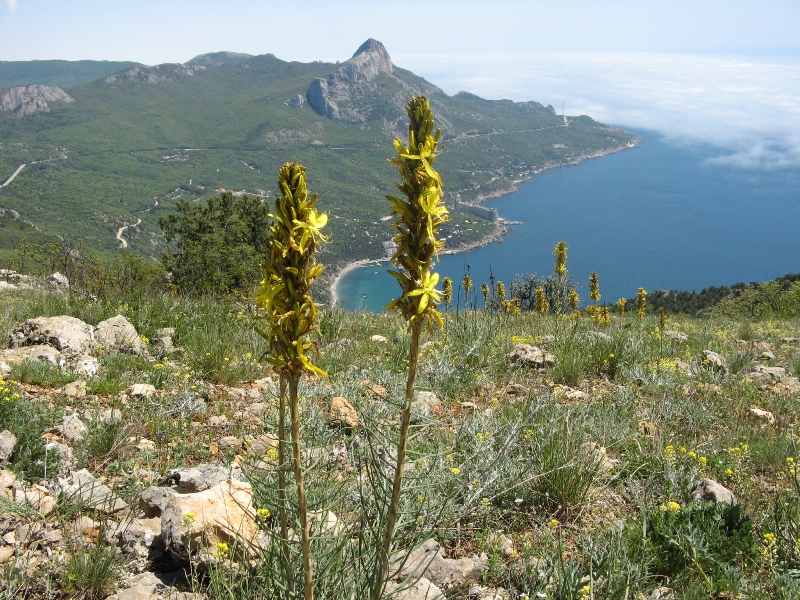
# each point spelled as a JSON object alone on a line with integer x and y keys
{"x": 122, "y": 229}
{"x": 14, "y": 174}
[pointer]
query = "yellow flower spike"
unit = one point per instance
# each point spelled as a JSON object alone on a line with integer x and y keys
{"x": 417, "y": 218}
{"x": 560, "y": 253}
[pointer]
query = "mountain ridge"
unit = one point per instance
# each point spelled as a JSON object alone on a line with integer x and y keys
{"x": 135, "y": 141}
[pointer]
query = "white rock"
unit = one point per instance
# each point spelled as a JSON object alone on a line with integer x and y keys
{"x": 7, "y": 442}
{"x": 117, "y": 334}
{"x": 763, "y": 414}
{"x": 198, "y": 521}
{"x": 73, "y": 428}
{"x": 141, "y": 390}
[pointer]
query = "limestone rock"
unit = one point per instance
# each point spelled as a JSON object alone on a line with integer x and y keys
{"x": 197, "y": 479}
{"x": 71, "y": 336}
{"x": 17, "y": 356}
{"x": 197, "y": 521}
{"x": 145, "y": 445}
{"x": 140, "y": 537}
{"x": 295, "y": 101}
{"x": 7, "y": 442}
{"x": 343, "y": 414}
{"x": 428, "y": 560}
{"x": 378, "y": 338}
{"x": 567, "y": 394}
{"x": 26, "y": 100}
{"x": 76, "y": 389}
{"x": 85, "y": 365}
{"x": 73, "y": 428}
{"x": 763, "y": 414}
{"x": 710, "y": 490}
{"x": 155, "y": 499}
{"x": 230, "y": 442}
{"x": 422, "y": 589}
{"x": 118, "y": 335}
{"x": 525, "y": 355}
{"x": 713, "y": 361}
{"x": 141, "y": 390}
{"x": 83, "y": 487}
{"x": 262, "y": 444}
{"x": 5, "y": 370}
{"x": 767, "y": 375}
{"x": 58, "y": 282}
{"x": 340, "y": 95}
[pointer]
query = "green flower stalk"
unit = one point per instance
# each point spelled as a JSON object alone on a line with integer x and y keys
{"x": 447, "y": 290}
{"x": 594, "y": 287}
{"x": 574, "y": 300}
{"x": 621, "y": 306}
{"x": 418, "y": 217}
{"x": 560, "y": 253}
{"x": 501, "y": 291}
{"x": 284, "y": 297}
{"x": 641, "y": 303}
{"x": 467, "y": 282}
{"x": 542, "y": 305}
{"x": 485, "y": 292}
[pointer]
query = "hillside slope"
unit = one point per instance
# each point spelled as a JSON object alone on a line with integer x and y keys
{"x": 135, "y": 141}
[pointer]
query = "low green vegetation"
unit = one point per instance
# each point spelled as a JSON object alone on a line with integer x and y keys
{"x": 508, "y": 450}
{"x": 132, "y": 150}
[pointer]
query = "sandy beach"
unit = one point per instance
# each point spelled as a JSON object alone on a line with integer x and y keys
{"x": 347, "y": 268}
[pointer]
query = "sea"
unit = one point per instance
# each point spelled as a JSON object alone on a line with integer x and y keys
{"x": 662, "y": 215}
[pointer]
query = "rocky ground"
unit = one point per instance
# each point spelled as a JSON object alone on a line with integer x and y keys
{"x": 158, "y": 478}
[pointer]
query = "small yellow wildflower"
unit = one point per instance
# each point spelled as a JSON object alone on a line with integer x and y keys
{"x": 222, "y": 549}
{"x": 553, "y": 523}
{"x": 455, "y": 470}
{"x": 263, "y": 514}
{"x": 671, "y": 506}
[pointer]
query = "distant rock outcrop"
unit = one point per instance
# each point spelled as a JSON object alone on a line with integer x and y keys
{"x": 342, "y": 95}
{"x": 28, "y": 99}
{"x": 157, "y": 74}
{"x": 217, "y": 59}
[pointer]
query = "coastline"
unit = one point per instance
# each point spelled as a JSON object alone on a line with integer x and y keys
{"x": 501, "y": 227}
{"x": 344, "y": 271}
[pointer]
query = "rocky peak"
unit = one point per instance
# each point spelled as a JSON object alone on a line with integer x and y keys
{"x": 333, "y": 97}
{"x": 27, "y": 99}
{"x": 369, "y": 60}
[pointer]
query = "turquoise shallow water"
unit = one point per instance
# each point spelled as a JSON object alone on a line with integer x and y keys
{"x": 659, "y": 216}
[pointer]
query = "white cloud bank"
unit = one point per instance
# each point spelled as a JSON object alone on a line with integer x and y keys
{"x": 10, "y": 4}
{"x": 749, "y": 108}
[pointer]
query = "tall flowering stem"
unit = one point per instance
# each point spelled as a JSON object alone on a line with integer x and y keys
{"x": 418, "y": 216}
{"x": 641, "y": 303}
{"x": 594, "y": 287}
{"x": 287, "y": 307}
{"x": 560, "y": 253}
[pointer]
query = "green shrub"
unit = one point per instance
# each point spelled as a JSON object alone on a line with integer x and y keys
{"x": 707, "y": 542}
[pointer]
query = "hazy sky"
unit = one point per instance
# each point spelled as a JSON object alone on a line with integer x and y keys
{"x": 720, "y": 71}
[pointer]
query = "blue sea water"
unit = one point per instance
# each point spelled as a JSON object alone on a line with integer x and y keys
{"x": 659, "y": 216}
